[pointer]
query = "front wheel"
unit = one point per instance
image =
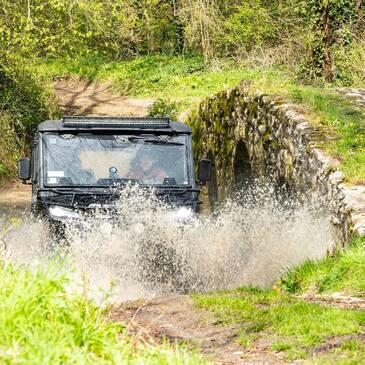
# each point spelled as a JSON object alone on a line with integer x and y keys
{"x": 56, "y": 237}
{"x": 162, "y": 268}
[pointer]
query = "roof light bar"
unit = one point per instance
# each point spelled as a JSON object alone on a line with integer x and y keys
{"x": 115, "y": 122}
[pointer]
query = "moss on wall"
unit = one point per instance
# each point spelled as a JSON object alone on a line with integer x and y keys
{"x": 279, "y": 142}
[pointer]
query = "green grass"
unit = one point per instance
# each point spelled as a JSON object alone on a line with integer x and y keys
{"x": 185, "y": 81}
{"x": 182, "y": 79}
{"x": 338, "y": 116}
{"x": 293, "y": 325}
{"x": 345, "y": 271}
{"x": 289, "y": 324}
{"x": 351, "y": 352}
{"x": 40, "y": 323}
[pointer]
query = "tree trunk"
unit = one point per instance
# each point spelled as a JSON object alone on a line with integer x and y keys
{"x": 328, "y": 37}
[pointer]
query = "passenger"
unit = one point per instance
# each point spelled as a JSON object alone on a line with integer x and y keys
{"x": 145, "y": 170}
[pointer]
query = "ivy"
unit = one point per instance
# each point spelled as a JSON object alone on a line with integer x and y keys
{"x": 330, "y": 23}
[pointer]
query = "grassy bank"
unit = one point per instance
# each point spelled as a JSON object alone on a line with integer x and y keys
{"x": 344, "y": 271}
{"x": 293, "y": 325}
{"x": 40, "y": 323}
{"x": 185, "y": 81}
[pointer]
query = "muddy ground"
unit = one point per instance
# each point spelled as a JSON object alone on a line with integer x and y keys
{"x": 175, "y": 319}
{"x": 15, "y": 198}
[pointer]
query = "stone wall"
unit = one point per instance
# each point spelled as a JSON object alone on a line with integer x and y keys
{"x": 268, "y": 137}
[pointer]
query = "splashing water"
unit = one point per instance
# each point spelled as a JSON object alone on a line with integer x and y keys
{"x": 144, "y": 250}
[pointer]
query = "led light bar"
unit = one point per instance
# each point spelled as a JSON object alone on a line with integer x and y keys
{"x": 115, "y": 122}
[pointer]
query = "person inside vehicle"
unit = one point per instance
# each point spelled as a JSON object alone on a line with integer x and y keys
{"x": 144, "y": 170}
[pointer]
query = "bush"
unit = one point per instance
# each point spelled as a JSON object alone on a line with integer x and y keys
{"x": 163, "y": 108}
{"x": 248, "y": 27}
{"x": 25, "y": 101}
{"x": 349, "y": 66}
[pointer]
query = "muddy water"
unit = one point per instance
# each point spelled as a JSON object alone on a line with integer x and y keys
{"x": 149, "y": 251}
{"x": 14, "y": 204}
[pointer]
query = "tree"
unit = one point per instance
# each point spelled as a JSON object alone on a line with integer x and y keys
{"x": 329, "y": 20}
{"x": 202, "y": 23}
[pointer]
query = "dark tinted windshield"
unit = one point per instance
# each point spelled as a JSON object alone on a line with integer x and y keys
{"x": 90, "y": 159}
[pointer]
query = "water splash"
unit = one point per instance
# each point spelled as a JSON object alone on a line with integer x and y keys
{"x": 144, "y": 251}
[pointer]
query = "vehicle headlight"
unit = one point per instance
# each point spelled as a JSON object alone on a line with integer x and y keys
{"x": 58, "y": 212}
{"x": 183, "y": 214}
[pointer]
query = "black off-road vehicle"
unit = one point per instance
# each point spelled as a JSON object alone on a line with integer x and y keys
{"x": 81, "y": 163}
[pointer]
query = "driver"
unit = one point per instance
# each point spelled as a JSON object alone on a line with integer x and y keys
{"x": 145, "y": 170}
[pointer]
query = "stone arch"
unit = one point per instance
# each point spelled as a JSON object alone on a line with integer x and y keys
{"x": 282, "y": 147}
{"x": 242, "y": 169}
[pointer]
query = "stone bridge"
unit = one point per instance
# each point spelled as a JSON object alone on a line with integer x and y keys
{"x": 256, "y": 135}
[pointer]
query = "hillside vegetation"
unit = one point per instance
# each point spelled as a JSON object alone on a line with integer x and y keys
{"x": 201, "y": 45}
{"x": 181, "y": 82}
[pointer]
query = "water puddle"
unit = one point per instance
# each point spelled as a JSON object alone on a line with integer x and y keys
{"x": 146, "y": 250}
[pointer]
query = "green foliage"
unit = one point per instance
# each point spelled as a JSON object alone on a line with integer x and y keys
{"x": 58, "y": 28}
{"x": 25, "y": 101}
{"x": 124, "y": 29}
{"x": 114, "y": 28}
{"x": 349, "y": 70}
{"x": 163, "y": 108}
{"x": 42, "y": 323}
{"x": 334, "y": 26}
{"x": 249, "y": 26}
{"x": 10, "y": 147}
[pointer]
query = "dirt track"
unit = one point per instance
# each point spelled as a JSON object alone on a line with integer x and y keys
{"x": 174, "y": 318}
{"x": 15, "y": 194}
{"x": 78, "y": 97}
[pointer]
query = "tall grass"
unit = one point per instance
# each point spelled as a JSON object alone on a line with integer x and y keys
{"x": 345, "y": 271}
{"x": 41, "y": 323}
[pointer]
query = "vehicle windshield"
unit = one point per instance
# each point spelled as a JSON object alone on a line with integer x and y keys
{"x": 90, "y": 159}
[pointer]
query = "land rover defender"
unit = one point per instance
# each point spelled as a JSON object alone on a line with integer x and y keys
{"x": 81, "y": 163}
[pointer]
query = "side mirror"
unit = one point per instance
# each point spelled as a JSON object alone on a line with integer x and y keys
{"x": 24, "y": 169}
{"x": 204, "y": 170}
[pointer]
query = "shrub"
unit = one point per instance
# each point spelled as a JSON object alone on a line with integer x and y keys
{"x": 163, "y": 108}
{"x": 248, "y": 27}
{"x": 25, "y": 101}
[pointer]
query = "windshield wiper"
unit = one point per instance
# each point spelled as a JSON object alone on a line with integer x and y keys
{"x": 163, "y": 142}
{"x": 159, "y": 141}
